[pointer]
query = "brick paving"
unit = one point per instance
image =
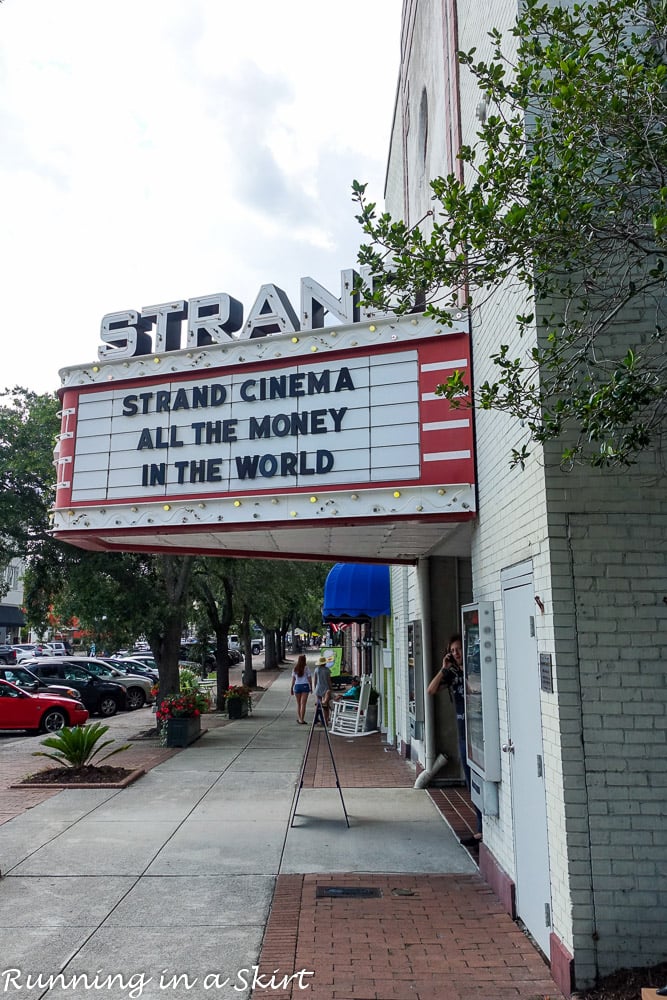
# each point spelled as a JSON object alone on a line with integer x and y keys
{"x": 361, "y": 762}
{"x": 428, "y": 937}
{"x": 442, "y": 937}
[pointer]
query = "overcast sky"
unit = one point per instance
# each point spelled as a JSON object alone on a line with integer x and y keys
{"x": 154, "y": 150}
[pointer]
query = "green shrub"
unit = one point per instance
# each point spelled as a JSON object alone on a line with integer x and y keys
{"x": 77, "y": 746}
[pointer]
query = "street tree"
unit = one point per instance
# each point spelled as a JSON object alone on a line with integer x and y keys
{"x": 114, "y": 597}
{"x": 565, "y": 194}
{"x": 28, "y": 428}
{"x": 213, "y": 588}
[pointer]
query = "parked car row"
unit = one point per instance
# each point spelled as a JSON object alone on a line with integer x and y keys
{"x": 29, "y": 650}
{"x": 82, "y": 683}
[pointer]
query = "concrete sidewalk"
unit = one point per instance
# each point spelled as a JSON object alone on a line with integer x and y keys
{"x": 194, "y": 872}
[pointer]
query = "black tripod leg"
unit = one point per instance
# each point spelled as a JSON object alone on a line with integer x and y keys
{"x": 333, "y": 764}
{"x": 303, "y": 769}
{"x": 318, "y": 717}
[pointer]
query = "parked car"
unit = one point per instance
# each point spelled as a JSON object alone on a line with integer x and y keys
{"x": 45, "y": 713}
{"x": 256, "y": 645}
{"x": 128, "y": 665}
{"x": 147, "y": 658}
{"x": 99, "y": 695}
{"x": 27, "y": 681}
{"x": 26, "y": 651}
{"x": 138, "y": 689}
{"x": 55, "y": 649}
{"x": 7, "y": 653}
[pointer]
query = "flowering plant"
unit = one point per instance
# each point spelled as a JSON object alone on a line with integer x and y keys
{"x": 238, "y": 691}
{"x": 179, "y": 706}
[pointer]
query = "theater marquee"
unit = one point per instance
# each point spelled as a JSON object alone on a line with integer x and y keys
{"x": 329, "y": 443}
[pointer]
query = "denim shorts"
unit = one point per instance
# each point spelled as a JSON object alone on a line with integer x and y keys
{"x": 301, "y": 688}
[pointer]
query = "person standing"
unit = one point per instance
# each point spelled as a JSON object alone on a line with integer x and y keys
{"x": 452, "y": 677}
{"x": 323, "y": 687}
{"x": 302, "y": 686}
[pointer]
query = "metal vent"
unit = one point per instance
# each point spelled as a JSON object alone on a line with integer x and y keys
{"x": 336, "y": 891}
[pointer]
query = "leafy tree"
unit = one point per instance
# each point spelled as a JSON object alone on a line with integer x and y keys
{"x": 28, "y": 428}
{"x": 213, "y": 589}
{"x": 566, "y": 193}
{"x": 115, "y": 596}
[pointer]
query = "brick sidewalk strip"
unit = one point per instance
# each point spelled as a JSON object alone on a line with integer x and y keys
{"x": 442, "y": 937}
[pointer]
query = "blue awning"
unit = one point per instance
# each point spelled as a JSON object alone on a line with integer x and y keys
{"x": 356, "y": 592}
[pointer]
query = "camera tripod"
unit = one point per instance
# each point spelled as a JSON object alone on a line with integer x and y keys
{"x": 318, "y": 717}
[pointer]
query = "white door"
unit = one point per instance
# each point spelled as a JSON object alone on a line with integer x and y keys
{"x": 524, "y": 747}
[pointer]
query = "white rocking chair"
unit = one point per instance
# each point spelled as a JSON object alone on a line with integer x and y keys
{"x": 348, "y": 715}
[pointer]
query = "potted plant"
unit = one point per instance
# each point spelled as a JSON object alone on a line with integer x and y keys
{"x": 238, "y": 701}
{"x": 179, "y": 718}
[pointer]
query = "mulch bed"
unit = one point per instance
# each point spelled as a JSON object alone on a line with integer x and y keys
{"x": 626, "y": 984}
{"x": 70, "y": 777}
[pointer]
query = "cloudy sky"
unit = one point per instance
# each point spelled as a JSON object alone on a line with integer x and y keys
{"x": 154, "y": 150}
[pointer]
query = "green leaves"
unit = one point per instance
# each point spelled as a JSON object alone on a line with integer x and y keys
{"x": 78, "y": 746}
{"x": 565, "y": 192}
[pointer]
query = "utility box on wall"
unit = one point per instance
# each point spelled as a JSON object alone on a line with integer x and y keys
{"x": 481, "y": 701}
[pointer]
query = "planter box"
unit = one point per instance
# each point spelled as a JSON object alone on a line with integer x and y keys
{"x": 182, "y": 732}
{"x": 237, "y": 708}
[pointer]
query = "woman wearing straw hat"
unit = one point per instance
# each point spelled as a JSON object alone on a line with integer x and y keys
{"x": 322, "y": 678}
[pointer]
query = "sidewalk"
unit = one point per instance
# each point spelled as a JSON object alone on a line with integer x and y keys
{"x": 194, "y": 871}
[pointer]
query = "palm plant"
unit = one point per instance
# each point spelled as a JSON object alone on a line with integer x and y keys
{"x": 77, "y": 746}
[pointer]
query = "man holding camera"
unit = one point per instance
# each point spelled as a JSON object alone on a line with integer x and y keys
{"x": 451, "y": 676}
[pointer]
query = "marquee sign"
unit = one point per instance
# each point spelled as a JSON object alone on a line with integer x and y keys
{"x": 250, "y": 443}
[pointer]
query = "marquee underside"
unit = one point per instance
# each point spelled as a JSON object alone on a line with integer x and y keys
{"x": 398, "y": 541}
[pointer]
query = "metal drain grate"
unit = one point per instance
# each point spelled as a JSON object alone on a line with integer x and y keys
{"x": 338, "y": 891}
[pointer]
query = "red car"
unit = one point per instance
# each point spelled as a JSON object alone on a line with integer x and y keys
{"x": 45, "y": 713}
